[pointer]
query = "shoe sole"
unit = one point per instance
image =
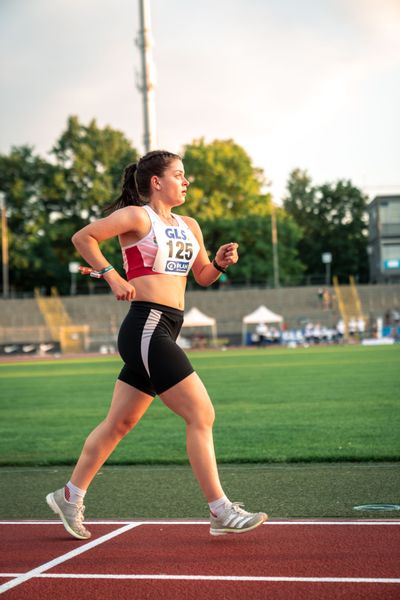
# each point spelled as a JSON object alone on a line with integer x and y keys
{"x": 244, "y": 530}
{"x": 56, "y": 509}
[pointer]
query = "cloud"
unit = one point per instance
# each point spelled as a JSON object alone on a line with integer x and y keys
{"x": 379, "y": 21}
{"x": 290, "y": 81}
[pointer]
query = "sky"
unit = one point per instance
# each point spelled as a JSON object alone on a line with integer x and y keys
{"x": 309, "y": 84}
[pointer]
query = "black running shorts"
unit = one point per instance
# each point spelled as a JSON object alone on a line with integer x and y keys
{"x": 147, "y": 344}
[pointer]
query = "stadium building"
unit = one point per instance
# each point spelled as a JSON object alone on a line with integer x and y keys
{"x": 384, "y": 239}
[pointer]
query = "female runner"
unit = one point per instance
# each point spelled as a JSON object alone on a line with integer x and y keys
{"x": 159, "y": 249}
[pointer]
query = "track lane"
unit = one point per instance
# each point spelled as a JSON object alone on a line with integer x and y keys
{"x": 195, "y": 565}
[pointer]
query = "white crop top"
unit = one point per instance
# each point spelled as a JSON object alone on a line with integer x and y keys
{"x": 167, "y": 249}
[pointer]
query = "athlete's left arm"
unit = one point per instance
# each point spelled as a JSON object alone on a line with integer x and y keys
{"x": 203, "y": 270}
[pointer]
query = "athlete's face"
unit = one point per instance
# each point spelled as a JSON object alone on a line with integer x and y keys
{"x": 173, "y": 184}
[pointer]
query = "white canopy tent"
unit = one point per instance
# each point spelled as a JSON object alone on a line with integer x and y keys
{"x": 261, "y": 315}
{"x": 195, "y": 318}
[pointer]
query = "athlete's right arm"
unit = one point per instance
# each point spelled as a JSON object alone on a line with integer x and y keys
{"x": 131, "y": 219}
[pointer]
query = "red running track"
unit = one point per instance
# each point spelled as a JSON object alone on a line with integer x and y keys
{"x": 179, "y": 559}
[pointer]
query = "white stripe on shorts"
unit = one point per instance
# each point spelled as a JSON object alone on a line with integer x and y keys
{"x": 148, "y": 330}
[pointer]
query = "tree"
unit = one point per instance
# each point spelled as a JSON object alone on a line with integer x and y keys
{"x": 333, "y": 219}
{"x": 226, "y": 197}
{"x": 253, "y": 234}
{"x": 48, "y": 201}
{"x": 90, "y": 162}
{"x": 224, "y": 183}
{"x": 23, "y": 176}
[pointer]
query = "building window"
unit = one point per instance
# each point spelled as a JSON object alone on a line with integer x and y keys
{"x": 390, "y": 256}
{"x": 390, "y": 251}
{"x": 390, "y": 213}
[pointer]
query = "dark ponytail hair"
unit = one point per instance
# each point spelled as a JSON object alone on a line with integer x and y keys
{"x": 136, "y": 181}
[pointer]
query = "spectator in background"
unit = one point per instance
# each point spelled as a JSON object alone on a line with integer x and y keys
{"x": 324, "y": 334}
{"x": 275, "y": 335}
{"x": 262, "y": 332}
{"x": 317, "y": 333}
{"x": 352, "y": 327}
{"x": 308, "y": 332}
{"x": 326, "y": 299}
{"x": 361, "y": 327}
{"x": 340, "y": 330}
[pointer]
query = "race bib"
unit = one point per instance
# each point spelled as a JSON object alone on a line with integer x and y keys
{"x": 177, "y": 249}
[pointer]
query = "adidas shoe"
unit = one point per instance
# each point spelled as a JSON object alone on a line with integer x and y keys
{"x": 71, "y": 514}
{"x": 235, "y": 520}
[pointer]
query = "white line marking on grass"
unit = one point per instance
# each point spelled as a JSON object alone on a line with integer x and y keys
{"x": 269, "y": 523}
{"x": 64, "y": 557}
{"x": 244, "y": 578}
{"x": 362, "y": 522}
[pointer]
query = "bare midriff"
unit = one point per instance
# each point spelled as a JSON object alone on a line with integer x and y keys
{"x": 162, "y": 289}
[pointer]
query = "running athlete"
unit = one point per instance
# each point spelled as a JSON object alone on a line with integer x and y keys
{"x": 159, "y": 249}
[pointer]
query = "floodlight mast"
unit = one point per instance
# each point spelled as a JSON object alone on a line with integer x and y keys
{"x": 147, "y": 85}
{"x": 4, "y": 245}
{"x": 275, "y": 258}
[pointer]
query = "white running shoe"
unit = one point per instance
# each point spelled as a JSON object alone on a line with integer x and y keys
{"x": 235, "y": 520}
{"x": 71, "y": 514}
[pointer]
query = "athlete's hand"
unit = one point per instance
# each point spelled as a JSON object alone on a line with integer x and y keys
{"x": 121, "y": 289}
{"x": 227, "y": 255}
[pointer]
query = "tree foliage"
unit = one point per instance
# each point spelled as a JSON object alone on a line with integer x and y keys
{"x": 332, "y": 218}
{"x": 48, "y": 200}
{"x": 224, "y": 183}
{"x": 253, "y": 234}
{"x": 226, "y": 197}
{"x": 91, "y": 161}
{"x": 24, "y": 176}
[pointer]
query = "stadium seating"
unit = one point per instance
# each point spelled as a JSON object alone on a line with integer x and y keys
{"x": 21, "y": 320}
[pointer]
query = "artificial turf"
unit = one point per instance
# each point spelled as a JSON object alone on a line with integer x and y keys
{"x": 305, "y": 490}
{"x": 273, "y": 405}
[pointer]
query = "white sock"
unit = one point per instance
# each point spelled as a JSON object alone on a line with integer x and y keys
{"x": 74, "y": 494}
{"x": 218, "y": 506}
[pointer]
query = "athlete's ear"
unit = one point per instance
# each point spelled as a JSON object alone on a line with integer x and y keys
{"x": 155, "y": 183}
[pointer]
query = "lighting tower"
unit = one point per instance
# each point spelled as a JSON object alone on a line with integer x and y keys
{"x": 275, "y": 259}
{"x": 4, "y": 244}
{"x": 147, "y": 83}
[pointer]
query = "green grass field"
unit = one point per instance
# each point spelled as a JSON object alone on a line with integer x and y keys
{"x": 280, "y": 405}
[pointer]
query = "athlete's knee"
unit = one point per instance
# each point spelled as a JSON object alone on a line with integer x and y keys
{"x": 211, "y": 415}
{"x": 202, "y": 418}
{"x": 122, "y": 427}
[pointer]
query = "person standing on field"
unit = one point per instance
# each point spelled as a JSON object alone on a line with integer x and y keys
{"x": 159, "y": 248}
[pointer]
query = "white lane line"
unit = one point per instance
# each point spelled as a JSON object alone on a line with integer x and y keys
{"x": 165, "y": 577}
{"x": 206, "y": 522}
{"x": 64, "y": 557}
{"x": 110, "y": 522}
{"x": 339, "y": 523}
